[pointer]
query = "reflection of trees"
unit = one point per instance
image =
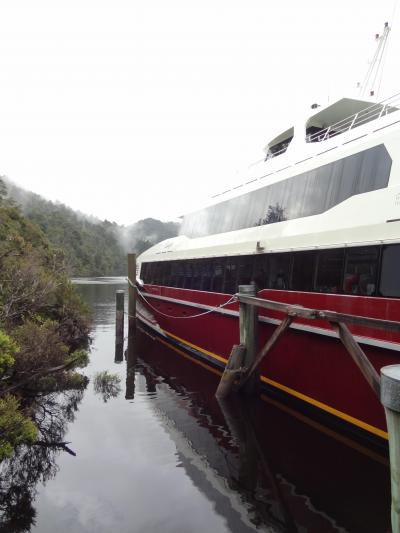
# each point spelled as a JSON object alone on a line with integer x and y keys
{"x": 275, "y": 213}
{"x": 20, "y": 474}
{"x": 107, "y": 385}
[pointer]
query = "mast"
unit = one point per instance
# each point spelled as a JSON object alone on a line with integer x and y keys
{"x": 373, "y": 77}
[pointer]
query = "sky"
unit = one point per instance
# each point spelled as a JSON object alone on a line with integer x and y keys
{"x": 126, "y": 109}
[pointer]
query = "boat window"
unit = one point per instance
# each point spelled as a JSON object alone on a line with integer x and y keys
{"x": 352, "y": 271}
{"x": 174, "y": 274}
{"x": 280, "y": 144}
{"x": 310, "y": 193}
{"x": 303, "y": 271}
{"x": 152, "y": 267}
{"x": 390, "y": 279}
{"x": 206, "y": 267}
{"x": 261, "y": 271}
{"x": 279, "y": 271}
{"x": 165, "y": 273}
{"x": 143, "y": 271}
{"x": 329, "y": 271}
{"x": 218, "y": 275}
{"x": 246, "y": 267}
{"x": 361, "y": 270}
{"x": 231, "y": 274}
{"x": 278, "y": 148}
{"x": 196, "y": 281}
{"x": 188, "y": 266}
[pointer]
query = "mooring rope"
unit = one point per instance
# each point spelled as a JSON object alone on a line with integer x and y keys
{"x": 212, "y": 310}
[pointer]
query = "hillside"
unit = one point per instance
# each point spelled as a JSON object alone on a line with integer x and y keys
{"x": 91, "y": 247}
{"x": 43, "y": 327}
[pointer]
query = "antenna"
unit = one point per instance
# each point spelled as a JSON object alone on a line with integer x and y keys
{"x": 375, "y": 68}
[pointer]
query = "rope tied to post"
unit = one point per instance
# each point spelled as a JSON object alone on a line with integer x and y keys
{"x": 197, "y": 315}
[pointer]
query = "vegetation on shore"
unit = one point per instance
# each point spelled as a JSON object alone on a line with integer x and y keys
{"x": 44, "y": 329}
{"x": 91, "y": 247}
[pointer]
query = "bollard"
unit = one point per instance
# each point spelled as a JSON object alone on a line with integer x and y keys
{"x": 248, "y": 322}
{"x": 131, "y": 293}
{"x": 390, "y": 398}
{"x": 119, "y": 317}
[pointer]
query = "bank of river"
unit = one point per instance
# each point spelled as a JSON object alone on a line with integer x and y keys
{"x": 164, "y": 456}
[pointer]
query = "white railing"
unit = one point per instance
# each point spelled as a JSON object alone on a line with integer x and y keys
{"x": 372, "y": 112}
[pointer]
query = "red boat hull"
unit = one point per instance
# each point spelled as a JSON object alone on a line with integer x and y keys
{"x": 309, "y": 365}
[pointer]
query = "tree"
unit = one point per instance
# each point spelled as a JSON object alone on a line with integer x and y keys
{"x": 275, "y": 213}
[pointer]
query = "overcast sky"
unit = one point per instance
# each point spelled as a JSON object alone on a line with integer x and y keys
{"x": 128, "y": 109}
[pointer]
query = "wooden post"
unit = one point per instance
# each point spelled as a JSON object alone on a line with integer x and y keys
{"x": 248, "y": 322}
{"x": 229, "y": 376}
{"x": 119, "y": 316}
{"x": 131, "y": 292}
{"x": 131, "y": 357}
{"x": 390, "y": 398}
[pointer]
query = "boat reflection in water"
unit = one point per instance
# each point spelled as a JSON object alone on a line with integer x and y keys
{"x": 265, "y": 467}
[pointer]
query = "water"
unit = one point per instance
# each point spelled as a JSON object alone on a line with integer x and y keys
{"x": 164, "y": 456}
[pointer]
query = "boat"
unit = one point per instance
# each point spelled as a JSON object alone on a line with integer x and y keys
{"x": 315, "y": 223}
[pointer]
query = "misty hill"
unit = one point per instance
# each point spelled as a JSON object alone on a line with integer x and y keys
{"x": 92, "y": 247}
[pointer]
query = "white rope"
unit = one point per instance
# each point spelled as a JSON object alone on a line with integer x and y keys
{"x": 231, "y": 299}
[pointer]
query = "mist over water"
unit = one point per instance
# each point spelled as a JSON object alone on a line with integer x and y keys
{"x": 159, "y": 454}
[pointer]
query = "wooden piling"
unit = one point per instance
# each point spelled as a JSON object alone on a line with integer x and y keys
{"x": 233, "y": 366}
{"x": 390, "y": 398}
{"x": 131, "y": 292}
{"x": 119, "y": 316}
{"x": 131, "y": 357}
{"x": 248, "y": 322}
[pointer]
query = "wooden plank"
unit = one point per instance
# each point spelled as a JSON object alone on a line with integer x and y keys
{"x": 358, "y": 356}
{"x": 277, "y": 334}
{"x": 316, "y": 314}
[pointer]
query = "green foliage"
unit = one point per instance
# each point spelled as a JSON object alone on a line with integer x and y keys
{"x": 15, "y": 428}
{"x": 43, "y": 325}
{"x": 41, "y": 347}
{"x": 8, "y": 351}
{"x": 107, "y": 385}
{"x": 80, "y": 358}
{"x": 90, "y": 247}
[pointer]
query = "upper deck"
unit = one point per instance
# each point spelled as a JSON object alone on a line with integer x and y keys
{"x": 334, "y": 187}
{"x": 309, "y": 169}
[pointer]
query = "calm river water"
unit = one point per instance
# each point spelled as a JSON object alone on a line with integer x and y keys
{"x": 159, "y": 454}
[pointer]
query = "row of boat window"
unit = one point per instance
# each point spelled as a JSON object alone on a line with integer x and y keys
{"x": 367, "y": 270}
{"x": 310, "y": 193}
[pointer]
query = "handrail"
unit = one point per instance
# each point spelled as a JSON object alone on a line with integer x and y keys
{"x": 368, "y": 114}
{"x": 318, "y": 314}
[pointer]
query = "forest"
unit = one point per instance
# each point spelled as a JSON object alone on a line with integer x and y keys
{"x": 91, "y": 247}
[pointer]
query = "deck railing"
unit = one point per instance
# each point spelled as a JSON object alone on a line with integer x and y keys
{"x": 372, "y": 112}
